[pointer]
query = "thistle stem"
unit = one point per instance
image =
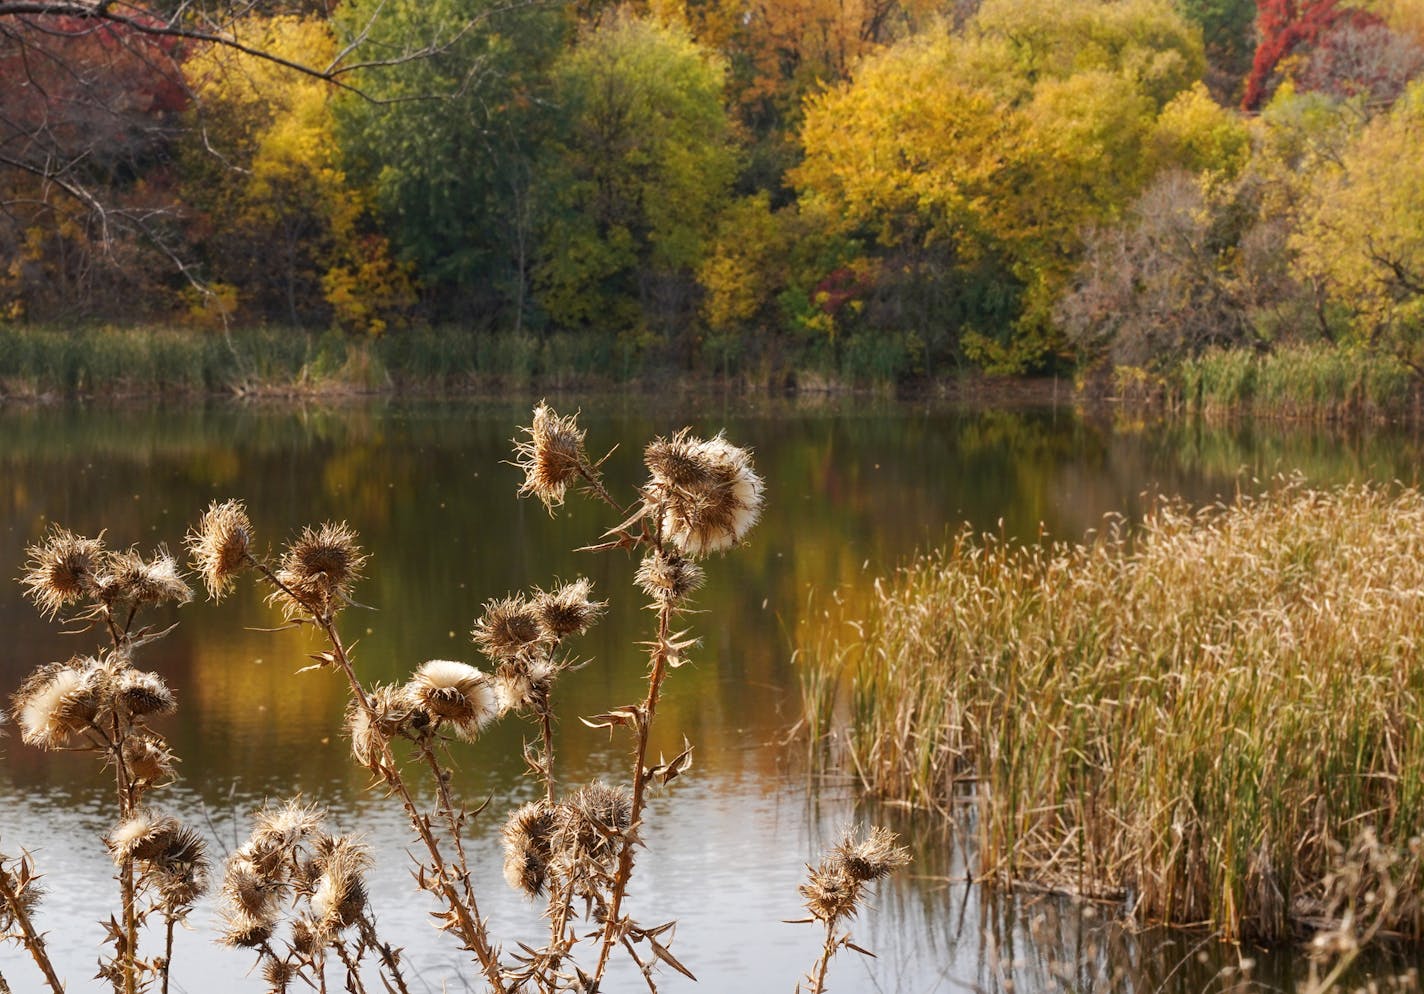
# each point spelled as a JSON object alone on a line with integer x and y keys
{"x": 33, "y": 941}
{"x": 471, "y": 925}
{"x": 612, "y": 926}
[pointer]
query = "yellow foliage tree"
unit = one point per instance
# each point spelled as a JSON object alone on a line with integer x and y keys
{"x": 287, "y": 224}
{"x": 1004, "y": 141}
{"x": 1362, "y": 235}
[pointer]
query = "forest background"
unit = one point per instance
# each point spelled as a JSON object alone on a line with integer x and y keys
{"x": 892, "y": 189}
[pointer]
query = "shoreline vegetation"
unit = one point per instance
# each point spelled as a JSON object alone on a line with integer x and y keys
{"x": 1314, "y": 382}
{"x": 1210, "y": 718}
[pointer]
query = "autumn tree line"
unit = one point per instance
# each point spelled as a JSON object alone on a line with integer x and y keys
{"x": 1015, "y": 186}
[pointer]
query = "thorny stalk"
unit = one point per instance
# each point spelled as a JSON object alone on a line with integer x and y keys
{"x": 31, "y": 938}
{"x": 828, "y": 951}
{"x": 472, "y": 929}
{"x": 383, "y": 950}
{"x": 613, "y": 927}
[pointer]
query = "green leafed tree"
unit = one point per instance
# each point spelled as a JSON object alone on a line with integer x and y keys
{"x": 452, "y": 109}
{"x": 640, "y": 164}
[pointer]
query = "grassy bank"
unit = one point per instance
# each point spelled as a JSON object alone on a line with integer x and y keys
{"x": 1194, "y": 718}
{"x": 1318, "y": 382}
{"x": 38, "y": 361}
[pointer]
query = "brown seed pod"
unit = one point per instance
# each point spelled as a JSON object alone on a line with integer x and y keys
{"x": 509, "y": 627}
{"x": 62, "y": 570}
{"x": 552, "y": 457}
{"x": 707, "y": 493}
{"x": 219, "y": 545}
{"x": 459, "y": 695}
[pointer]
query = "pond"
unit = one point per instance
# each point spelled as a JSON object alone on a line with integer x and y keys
{"x": 854, "y": 487}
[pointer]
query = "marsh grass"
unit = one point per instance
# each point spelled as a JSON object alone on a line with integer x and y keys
{"x": 1185, "y": 715}
{"x": 110, "y": 361}
{"x": 1316, "y": 382}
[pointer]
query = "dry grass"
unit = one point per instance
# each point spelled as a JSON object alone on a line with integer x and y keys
{"x": 1188, "y": 713}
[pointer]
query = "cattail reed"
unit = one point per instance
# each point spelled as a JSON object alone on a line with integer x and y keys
{"x": 1187, "y": 710}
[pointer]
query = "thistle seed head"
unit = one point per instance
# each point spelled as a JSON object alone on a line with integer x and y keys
{"x": 57, "y": 700}
{"x": 592, "y": 822}
{"x": 181, "y": 870}
{"x": 831, "y": 893}
{"x": 872, "y": 857}
{"x": 567, "y": 609}
{"x": 147, "y": 758}
{"x": 279, "y": 829}
{"x": 143, "y": 835}
{"x": 834, "y": 888}
{"x": 243, "y": 931}
{"x": 509, "y": 627}
{"x": 131, "y": 579}
{"x": 457, "y": 694}
{"x": 707, "y": 492}
{"x": 528, "y": 835}
{"x": 551, "y": 457}
{"x": 523, "y": 684}
{"x": 392, "y": 710}
{"x": 62, "y": 570}
{"x": 668, "y": 578}
{"x": 248, "y": 888}
{"x": 320, "y": 566}
{"x": 340, "y": 893}
{"x": 142, "y": 694}
{"x": 219, "y": 545}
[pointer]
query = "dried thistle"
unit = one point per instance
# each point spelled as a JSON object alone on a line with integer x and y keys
{"x": 219, "y": 545}
{"x": 391, "y": 711}
{"x": 567, "y": 609}
{"x": 62, "y": 570}
{"x": 243, "y": 931}
{"x": 508, "y": 628}
{"x": 252, "y": 891}
{"x": 457, "y": 694}
{"x": 340, "y": 894}
{"x": 528, "y": 836}
{"x": 523, "y": 684}
{"x": 593, "y": 822}
{"x": 141, "y": 694}
{"x": 551, "y": 457}
{"x": 320, "y": 566}
{"x": 707, "y": 492}
{"x": 147, "y": 758}
{"x": 835, "y": 887}
{"x": 143, "y": 835}
{"x": 181, "y": 870}
{"x": 281, "y": 828}
{"x": 155, "y": 581}
{"x": 668, "y": 578}
{"x": 58, "y": 700}
{"x": 870, "y": 858}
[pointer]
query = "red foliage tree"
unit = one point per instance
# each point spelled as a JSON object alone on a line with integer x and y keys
{"x": 1283, "y": 26}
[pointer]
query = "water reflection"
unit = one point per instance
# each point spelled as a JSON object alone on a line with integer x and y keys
{"x": 853, "y": 489}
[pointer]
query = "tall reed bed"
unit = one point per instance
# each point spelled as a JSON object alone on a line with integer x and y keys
{"x": 1306, "y": 382}
{"x": 113, "y": 361}
{"x": 295, "y": 894}
{"x": 1192, "y": 715}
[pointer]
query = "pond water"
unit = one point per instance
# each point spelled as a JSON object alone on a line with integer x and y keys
{"x": 854, "y": 487}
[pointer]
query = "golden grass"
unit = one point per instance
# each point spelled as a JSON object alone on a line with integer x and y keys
{"x": 1187, "y": 714}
